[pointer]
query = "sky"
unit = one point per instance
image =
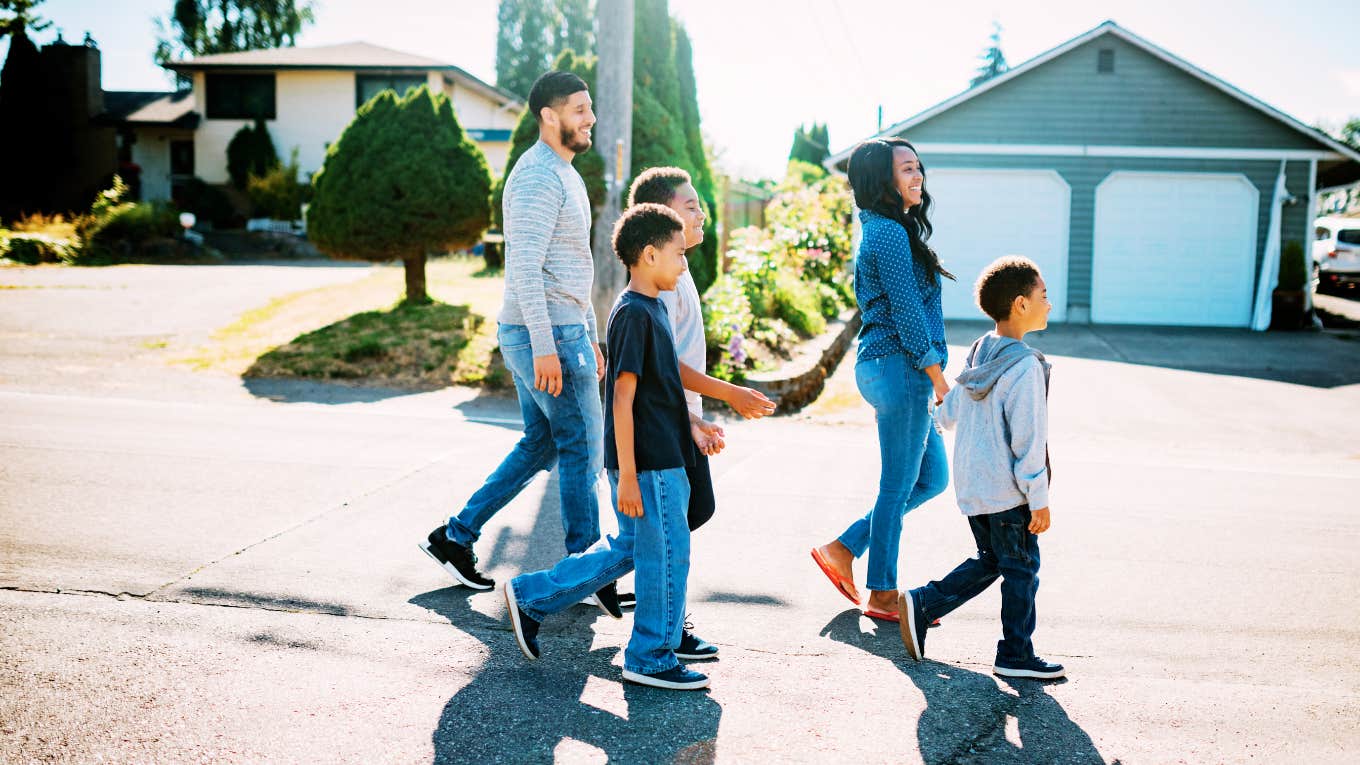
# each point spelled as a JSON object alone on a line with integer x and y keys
{"x": 764, "y": 67}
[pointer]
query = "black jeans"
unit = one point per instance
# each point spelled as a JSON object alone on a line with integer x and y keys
{"x": 1008, "y": 550}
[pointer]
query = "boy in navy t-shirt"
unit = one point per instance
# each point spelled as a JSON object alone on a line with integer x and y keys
{"x": 650, "y": 438}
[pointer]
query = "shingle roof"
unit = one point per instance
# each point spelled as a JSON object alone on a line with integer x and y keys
{"x": 353, "y": 56}
{"x": 149, "y": 108}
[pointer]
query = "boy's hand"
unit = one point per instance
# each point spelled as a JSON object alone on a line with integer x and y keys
{"x": 548, "y": 374}
{"x": 1039, "y": 521}
{"x": 707, "y": 436}
{"x": 630, "y": 496}
{"x": 750, "y": 403}
{"x": 941, "y": 390}
{"x": 599, "y": 362}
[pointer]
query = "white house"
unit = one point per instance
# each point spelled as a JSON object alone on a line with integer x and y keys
{"x": 306, "y": 96}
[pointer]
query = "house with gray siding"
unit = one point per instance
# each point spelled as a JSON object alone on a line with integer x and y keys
{"x": 1148, "y": 191}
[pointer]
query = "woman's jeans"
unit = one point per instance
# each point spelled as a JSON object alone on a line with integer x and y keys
{"x": 656, "y": 544}
{"x": 567, "y": 431}
{"x": 914, "y": 465}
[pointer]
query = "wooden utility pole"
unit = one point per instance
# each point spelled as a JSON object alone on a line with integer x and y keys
{"x": 613, "y": 136}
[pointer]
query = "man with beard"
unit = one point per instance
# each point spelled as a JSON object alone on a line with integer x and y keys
{"x": 548, "y": 337}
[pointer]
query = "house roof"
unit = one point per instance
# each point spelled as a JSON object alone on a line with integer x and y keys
{"x": 354, "y": 56}
{"x": 1107, "y": 28}
{"x": 139, "y": 107}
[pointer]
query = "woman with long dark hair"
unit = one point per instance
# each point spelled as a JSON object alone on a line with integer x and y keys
{"x": 900, "y": 364}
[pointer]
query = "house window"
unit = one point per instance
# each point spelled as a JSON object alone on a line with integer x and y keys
{"x": 367, "y": 86}
{"x": 1105, "y": 61}
{"x": 182, "y": 158}
{"x": 240, "y": 96}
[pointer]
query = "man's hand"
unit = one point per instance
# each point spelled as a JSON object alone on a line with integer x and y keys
{"x": 707, "y": 436}
{"x": 599, "y": 362}
{"x": 750, "y": 403}
{"x": 1039, "y": 521}
{"x": 548, "y": 374}
{"x": 630, "y": 496}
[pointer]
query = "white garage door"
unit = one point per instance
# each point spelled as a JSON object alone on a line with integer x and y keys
{"x": 981, "y": 215}
{"x": 1174, "y": 248}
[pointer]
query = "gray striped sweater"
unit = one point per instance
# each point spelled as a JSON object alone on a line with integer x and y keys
{"x": 549, "y": 270}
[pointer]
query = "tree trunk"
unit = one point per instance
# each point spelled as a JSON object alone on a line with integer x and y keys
{"x": 415, "y": 280}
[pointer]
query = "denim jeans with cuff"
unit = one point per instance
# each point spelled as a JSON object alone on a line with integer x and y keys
{"x": 656, "y": 545}
{"x": 566, "y": 431}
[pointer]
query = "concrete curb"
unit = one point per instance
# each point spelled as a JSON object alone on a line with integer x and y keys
{"x": 798, "y": 382}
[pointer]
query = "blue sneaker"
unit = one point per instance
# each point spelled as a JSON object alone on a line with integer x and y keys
{"x": 1033, "y": 667}
{"x": 677, "y": 678}
{"x": 913, "y": 625}
{"x": 693, "y": 647}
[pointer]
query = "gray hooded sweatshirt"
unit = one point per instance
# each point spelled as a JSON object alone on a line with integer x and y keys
{"x": 1000, "y": 410}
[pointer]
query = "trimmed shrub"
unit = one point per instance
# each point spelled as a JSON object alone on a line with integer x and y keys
{"x": 402, "y": 181}
{"x": 276, "y": 193}
{"x": 250, "y": 152}
{"x": 121, "y": 231}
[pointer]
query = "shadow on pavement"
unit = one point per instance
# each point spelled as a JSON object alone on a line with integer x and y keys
{"x": 514, "y": 710}
{"x": 967, "y": 713}
{"x": 1316, "y": 359}
{"x": 287, "y": 391}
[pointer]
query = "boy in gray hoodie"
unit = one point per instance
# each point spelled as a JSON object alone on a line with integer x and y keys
{"x": 1001, "y": 470}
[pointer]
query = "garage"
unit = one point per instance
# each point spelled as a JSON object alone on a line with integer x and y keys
{"x": 980, "y": 215}
{"x": 1174, "y": 249}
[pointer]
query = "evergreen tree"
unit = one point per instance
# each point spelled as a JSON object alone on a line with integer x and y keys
{"x": 704, "y": 262}
{"x": 23, "y": 98}
{"x": 205, "y": 27}
{"x": 810, "y": 145}
{"x": 527, "y": 42}
{"x": 402, "y": 180}
{"x": 577, "y": 27}
{"x": 993, "y": 60}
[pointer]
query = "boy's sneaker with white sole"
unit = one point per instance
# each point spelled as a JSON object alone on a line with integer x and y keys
{"x": 677, "y": 678}
{"x": 1033, "y": 667}
{"x": 913, "y": 624}
{"x": 524, "y": 625}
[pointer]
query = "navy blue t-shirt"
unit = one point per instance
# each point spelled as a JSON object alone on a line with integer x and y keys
{"x": 640, "y": 341}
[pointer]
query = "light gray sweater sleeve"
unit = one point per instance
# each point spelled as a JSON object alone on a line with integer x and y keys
{"x": 947, "y": 413}
{"x": 530, "y": 215}
{"x": 1026, "y": 411}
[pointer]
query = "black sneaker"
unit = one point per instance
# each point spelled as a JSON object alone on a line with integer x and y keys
{"x": 677, "y": 678}
{"x": 913, "y": 625}
{"x": 627, "y": 600}
{"x": 1034, "y": 667}
{"x": 524, "y": 625}
{"x": 693, "y": 647}
{"x": 607, "y": 598}
{"x": 456, "y": 559}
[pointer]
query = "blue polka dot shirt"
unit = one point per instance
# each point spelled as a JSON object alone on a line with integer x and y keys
{"x": 898, "y": 299}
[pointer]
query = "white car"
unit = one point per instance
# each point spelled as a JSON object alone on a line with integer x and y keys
{"x": 1336, "y": 251}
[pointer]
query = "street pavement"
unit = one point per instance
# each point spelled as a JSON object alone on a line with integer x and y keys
{"x": 197, "y": 569}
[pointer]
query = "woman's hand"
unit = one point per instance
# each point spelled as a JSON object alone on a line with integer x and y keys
{"x": 937, "y": 380}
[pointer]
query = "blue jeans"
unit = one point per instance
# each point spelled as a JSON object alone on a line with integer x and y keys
{"x": 567, "y": 431}
{"x": 657, "y": 544}
{"x": 1006, "y": 549}
{"x": 914, "y": 465}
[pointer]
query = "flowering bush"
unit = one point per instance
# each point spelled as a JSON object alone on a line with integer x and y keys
{"x": 727, "y": 323}
{"x": 783, "y": 280}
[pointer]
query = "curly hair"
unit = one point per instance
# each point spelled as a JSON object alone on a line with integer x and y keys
{"x": 1001, "y": 282}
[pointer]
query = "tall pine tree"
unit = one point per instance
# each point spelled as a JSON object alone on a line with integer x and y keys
{"x": 705, "y": 269}
{"x": 532, "y": 33}
{"x": 993, "y": 60}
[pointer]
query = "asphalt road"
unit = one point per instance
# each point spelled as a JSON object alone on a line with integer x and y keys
{"x": 197, "y": 570}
